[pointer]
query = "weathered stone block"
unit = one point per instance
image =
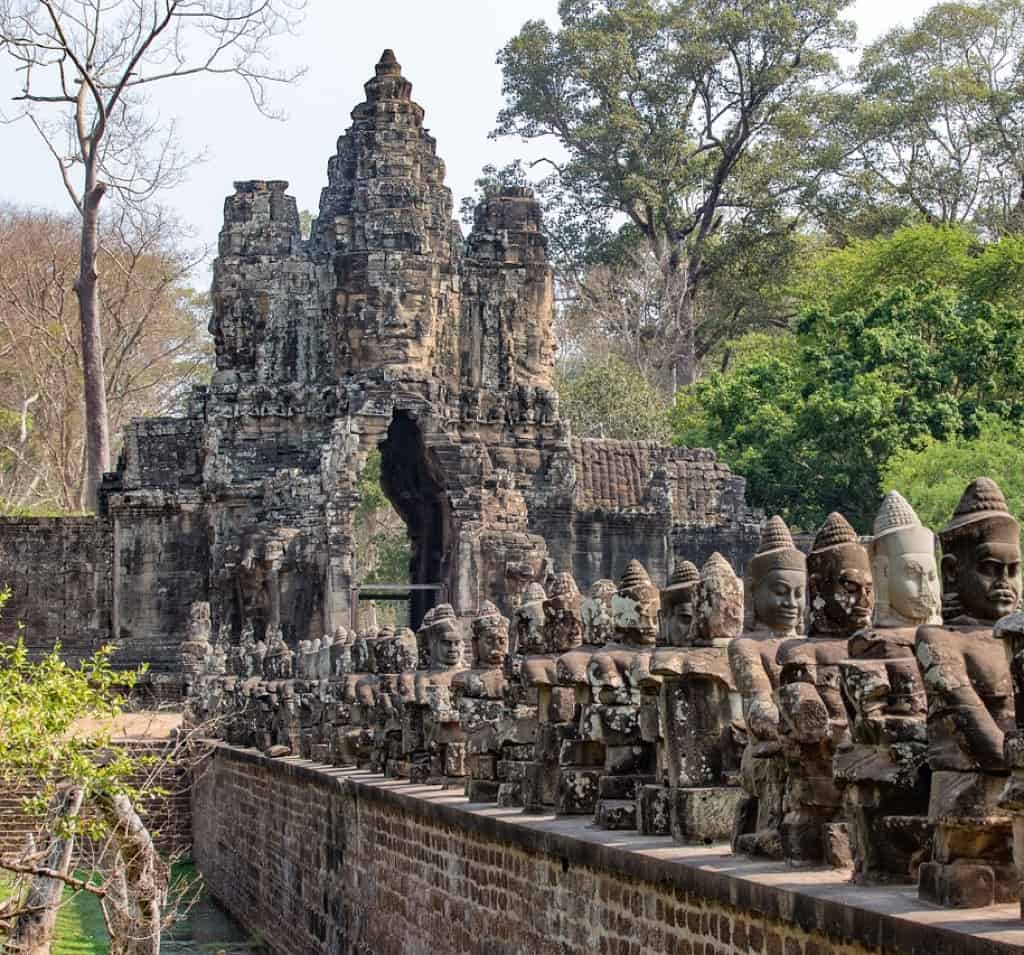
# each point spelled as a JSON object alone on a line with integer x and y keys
{"x": 577, "y": 792}
{"x": 703, "y": 815}
{"x": 653, "y": 812}
{"x": 615, "y": 814}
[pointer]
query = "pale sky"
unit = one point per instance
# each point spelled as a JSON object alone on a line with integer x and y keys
{"x": 447, "y": 49}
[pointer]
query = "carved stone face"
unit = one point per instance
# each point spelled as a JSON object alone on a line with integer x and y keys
{"x": 719, "y": 613}
{"x": 447, "y": 645}
{"x": 678, "y": 617}
{"x": 907, "y": 577}
{"x": 779, "y": 599}
{"x": 563, "y": 617}
{"x": 528, "y": 620}
{"x": 491, "y": 641}
{"x": 984, "y": 570}
{"x": 842, "y": 589}
{"x": 598, "y": 625}
{"x": 636, "y": 615}
{"x": 407, "y": 651}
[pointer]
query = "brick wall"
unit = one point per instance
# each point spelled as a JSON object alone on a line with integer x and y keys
{"x": 324, "y": 861}
{"x": 168, "y": 816}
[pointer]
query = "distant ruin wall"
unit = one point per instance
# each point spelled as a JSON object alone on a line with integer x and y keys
{"x": 317, "y": 861}
{"x": 59, "y": 571}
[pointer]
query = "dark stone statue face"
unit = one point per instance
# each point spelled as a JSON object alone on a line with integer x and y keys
{"x": 842, "y": 590}
{"x": 984, "y": 570}
{"x": 491, "y": 644}
{"x": 779, "y": 599}
{"x": 679, "y": 618}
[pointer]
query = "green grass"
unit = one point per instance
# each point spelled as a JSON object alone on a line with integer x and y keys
{"x": 80, "y": 928}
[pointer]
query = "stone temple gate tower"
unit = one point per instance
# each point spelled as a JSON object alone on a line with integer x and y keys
{"x": 385, "y": 329}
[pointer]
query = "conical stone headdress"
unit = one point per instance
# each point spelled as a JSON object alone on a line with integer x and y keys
{"x": 835, "y": 532}
{"x": 684, "y": 574}
{"x": 635, "y": 575}
{"x": 981, "y": 501}
{"x": 776, "y": 551}
{"x": 895, "y": 514}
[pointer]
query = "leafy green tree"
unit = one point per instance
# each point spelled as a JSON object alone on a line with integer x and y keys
{"x": 935, "y": 126}
{"x": 875, "y": 368}
{"x": 695, "y": 122}
{"x": 383, "y": 551}
{"x": 934, "y": 476}
{"x": 55, "y": 738}
{"x": 607, "y": 399}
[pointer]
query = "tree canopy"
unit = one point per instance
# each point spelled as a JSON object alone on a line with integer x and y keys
{"x": 878, "y": 365}
{"x": 693, "y": 122}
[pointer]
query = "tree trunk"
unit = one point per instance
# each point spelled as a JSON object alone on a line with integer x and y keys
{"x": 97, "y": 427}
{"x": 138, "y": 885}
{"x": 681, "y": 277}
{"x": 35, "y": 923}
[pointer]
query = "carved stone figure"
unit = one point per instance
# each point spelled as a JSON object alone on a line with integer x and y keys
{"x": 598, "y": 625}
{"x": 479, "y": 696}
{"x": 778, "y": 581}
{"x": 970, "y": 704}
{"x": 443, "y": 739}
{"x": 700, "y": 703}
{"x": 883, "y": 769}
{"x": 613, "y": 759}
{"x": 196, "y": 646}
{"x": 1011, "y": 631}
{"x": 678, "y": 604}
{"x": 813, "y": 721}
{"x": 278, "y": 661}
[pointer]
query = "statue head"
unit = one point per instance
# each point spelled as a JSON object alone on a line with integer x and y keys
{"x": 981, "y": 555}
{"x": 903, "y": 567}
{"x": 635, "y": 607}
{"x": 443, "y": 637}
{"x": 383, "y": 650}
{"x": 408, "y": 650}
{"x": 528, "y": 620}
{"x": 678, "y": 602}
{"x": 563, "y": 616}
{"x": 719, "y": 604}
{"x": 778, "y": 579}
{"x": 598, "y": 625}
{"x": 839, "y": 579}
{"x": 490, "y": 636}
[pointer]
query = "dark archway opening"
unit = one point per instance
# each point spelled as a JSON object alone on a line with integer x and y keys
{"x": 416, "y": 491}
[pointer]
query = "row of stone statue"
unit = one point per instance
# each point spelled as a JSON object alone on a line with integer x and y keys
{"x": 860, "y": 716}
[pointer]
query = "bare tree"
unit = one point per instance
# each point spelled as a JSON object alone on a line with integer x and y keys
{"x": 86, "y": 66}
{"x": 154, "y": 347}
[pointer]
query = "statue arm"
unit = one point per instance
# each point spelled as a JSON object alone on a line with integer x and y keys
{"x": 755, "y": 687}
{"x": 953, "y": 698}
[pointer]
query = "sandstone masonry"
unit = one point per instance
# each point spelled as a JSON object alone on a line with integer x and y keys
{"x": 385, "y": 329}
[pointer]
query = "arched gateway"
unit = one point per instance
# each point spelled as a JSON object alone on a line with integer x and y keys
{"x": 386, "y": 329}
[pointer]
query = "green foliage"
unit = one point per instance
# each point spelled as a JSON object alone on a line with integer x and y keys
{"x": 55, "y": 726}
{"x": 935, "y": 126}
{"x": 383, "y": 551}
{"x": 933, "y": 477}
{"x": 877, "y": 367}
{"x": 696, "y": 122}
{"x": 608, "y": 398}
{"x": 848, "y": 277}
